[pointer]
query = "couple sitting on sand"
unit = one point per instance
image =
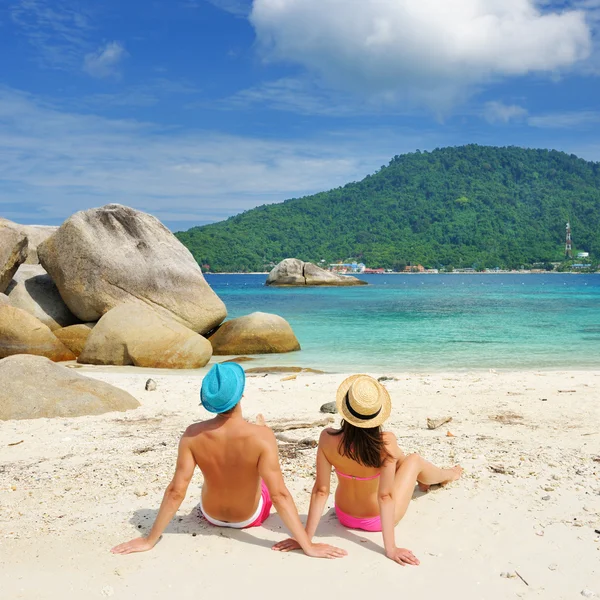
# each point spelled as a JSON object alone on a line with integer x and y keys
{"x": 242, "y": 476}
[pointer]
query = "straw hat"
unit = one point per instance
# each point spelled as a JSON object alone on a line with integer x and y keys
{"x": 363, "y": 401}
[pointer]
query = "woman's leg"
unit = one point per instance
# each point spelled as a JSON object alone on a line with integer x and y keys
{"x": 415, "y": 469}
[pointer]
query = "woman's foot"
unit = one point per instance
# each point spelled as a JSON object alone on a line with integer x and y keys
{"x": 450, "y": 475}
{"x": 453, "y": 474}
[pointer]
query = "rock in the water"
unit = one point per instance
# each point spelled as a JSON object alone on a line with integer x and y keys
{"x": 4, "y": 301}
{"x": 13, "y": 252}
{"x": 329, "y": 407}
{"x": 32, "y": 387}
{"x": 33, "y": 291}
{"x": 150, "y": 385}
{"x": 103, "y": 257}
{"x": 294, "y": 272}
{"x": 22, "y": 333}
{"x": 74, "y": 337}
{"x": 258, "y": 333}
{"x": 131, "y": 334}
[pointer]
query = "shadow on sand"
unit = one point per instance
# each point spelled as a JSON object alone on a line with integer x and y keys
{"x": 194, "y": 524}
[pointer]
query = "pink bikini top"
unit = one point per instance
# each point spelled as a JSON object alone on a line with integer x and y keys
{"x": 357, "y": 478}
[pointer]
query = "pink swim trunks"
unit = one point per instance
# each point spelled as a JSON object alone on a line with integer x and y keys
{"x": 256, "y": 520}
{"x": 366, "y": 524}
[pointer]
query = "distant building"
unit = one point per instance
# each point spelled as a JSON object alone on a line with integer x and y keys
{"x": 414, "y": 269}
{"x": 347, "y": 267}
{"x": 583, "y": 255}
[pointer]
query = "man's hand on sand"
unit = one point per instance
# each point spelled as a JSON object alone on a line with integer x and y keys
{"x": 137, "y": 545}
{"x": 314, "y": 551}
{"x": 403, "y": 557}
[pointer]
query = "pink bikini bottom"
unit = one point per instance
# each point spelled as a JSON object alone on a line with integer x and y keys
{"x": 366, "y": 524}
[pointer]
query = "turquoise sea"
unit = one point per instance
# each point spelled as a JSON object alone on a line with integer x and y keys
{"x": 432, "y": 322}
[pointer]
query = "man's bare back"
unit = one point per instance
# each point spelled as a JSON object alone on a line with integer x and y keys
{"x": 227, "y": 450}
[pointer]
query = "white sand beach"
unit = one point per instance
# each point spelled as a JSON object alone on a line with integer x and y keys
{"x": 529, "y": 501}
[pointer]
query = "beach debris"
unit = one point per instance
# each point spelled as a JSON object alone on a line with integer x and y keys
{"x": 553, "y": 567}
{"x": 501, "y": 469}
{"x": 279, "y": 426}
{"x": 140, "y": 493}
{"x": 435, "y": 423}
{"x": 508, "y": 418}
{"x": 508, "y": 574}
{"x": 329, "y": 407}
{"x": 449, "y": 434}
{"x": 289, "y": 378}
{"x": 150, "y": 385}
{"x": 567, "y": 391}
{"x": 310, "y": 442}
{"x": 16, "y": 443}
{"x": 539, "y": 532}
{"x": 386, "y": 378}
{"x": 588, "y": 593}
{"x": 547, "y": 497}
{"x": 548, "y": 488}
{"x": 275, "y": 370}
{"x": 239, "y": 359}
{"x": 143, "y": 450}
{"x": 107, "y": 591}
{"x": 521, "y": 578}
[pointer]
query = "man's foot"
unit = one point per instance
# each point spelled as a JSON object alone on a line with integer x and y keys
{"x": 260, "y": 419}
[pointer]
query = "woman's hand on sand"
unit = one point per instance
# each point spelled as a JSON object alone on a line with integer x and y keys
{"x": 403, "y": 557}
{"x": 314, "y": 550}
{"x": 324, "y": 551}
{"x": 287, "y": 545}
{"x": 137, "y": 545}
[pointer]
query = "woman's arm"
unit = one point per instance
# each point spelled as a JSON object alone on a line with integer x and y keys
{"x": 172, "y": 499}
{"x": 320, "y": 492}
{"x": 318, "y": 499}
{"x": 270, "y": 471}
{"x": 387, "y": 505}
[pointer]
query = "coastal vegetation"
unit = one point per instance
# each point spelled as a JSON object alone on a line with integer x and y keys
{"x": 471, "y": 206}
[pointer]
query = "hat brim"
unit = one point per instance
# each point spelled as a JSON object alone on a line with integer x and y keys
{"x": 239, "y": 392}
{"x": 386, "y": 404}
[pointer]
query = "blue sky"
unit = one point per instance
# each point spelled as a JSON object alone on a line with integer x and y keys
{"x": 195, "y": 110}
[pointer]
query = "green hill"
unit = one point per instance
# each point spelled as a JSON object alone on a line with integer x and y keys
{"x": 468, "y": 206}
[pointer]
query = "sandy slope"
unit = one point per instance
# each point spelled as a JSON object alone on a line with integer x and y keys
{"x": 76, "y": 487}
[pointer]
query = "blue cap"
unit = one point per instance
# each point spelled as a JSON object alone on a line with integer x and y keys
{"x": 222, "y": 387}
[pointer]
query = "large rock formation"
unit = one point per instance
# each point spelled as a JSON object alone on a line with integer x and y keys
{"x": 258, "y": 333}
{"x": 103, "y": 257}
{"x": 131, "y": 334}
{"x": 22, "y": 333}
{"x": 13, "y": 252}
{"x": 32, "y": 387}
{"x": 35, "y": 234}
{"x": 33, "y": 291}
{"x": 74, "y": 337}
{"x": 294, "y": 272}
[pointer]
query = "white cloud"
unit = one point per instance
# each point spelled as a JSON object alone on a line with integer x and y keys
{"x": 419, "y": 51}
{"x": 53, "y": 163}
{"x": 105, "y": 61}
{"x": 498, "y": 112}
{"x": 565, "y": 120}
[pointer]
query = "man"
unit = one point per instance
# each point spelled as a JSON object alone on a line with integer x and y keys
{"x": 240, "y": 464}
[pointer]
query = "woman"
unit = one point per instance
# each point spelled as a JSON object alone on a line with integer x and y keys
{"x": 375, "y": 479}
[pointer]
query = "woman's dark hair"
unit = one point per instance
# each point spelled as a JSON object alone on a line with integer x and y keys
{"x": 364, "y": 445}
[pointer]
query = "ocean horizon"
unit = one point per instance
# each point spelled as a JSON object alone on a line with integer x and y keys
{"x": 421, "y": 323}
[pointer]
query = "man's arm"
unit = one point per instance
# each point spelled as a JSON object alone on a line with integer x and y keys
{"x": 172, "y": 499}
{"x": 270, "y": 471}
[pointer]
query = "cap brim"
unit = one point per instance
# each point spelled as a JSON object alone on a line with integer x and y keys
{"x": 386, "y": 404}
